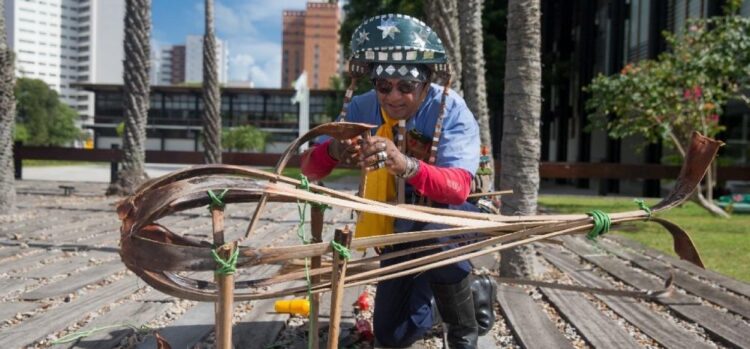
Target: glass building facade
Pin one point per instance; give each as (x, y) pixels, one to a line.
(585, 38)
(175, 111)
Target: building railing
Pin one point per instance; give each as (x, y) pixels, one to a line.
(546, 169)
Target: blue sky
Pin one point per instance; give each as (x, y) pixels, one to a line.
(251, 27)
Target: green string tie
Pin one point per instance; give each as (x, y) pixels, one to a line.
(642, 205)
(217, 201)
(341, 249)
(602, 222)
(302, 209)
(305, 184)
(228, 266)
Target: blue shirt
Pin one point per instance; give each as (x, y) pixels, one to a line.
(459, 140)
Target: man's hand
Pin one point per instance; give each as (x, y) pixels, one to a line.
(379, 152)
(346, 151)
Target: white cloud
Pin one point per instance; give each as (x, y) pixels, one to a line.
(231, 22)
(257, 59)
(252, 30)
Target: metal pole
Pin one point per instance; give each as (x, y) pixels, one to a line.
(17, 160)
(114, 166)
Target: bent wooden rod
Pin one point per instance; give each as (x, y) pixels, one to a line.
(160, 256)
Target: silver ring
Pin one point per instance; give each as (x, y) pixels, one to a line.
(382, 156)
(380, 164)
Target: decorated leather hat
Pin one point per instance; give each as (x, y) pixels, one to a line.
(396, 45)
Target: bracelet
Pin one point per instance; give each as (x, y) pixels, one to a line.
(412, 166)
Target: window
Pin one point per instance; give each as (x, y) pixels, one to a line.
(637, 40)
(684, 9)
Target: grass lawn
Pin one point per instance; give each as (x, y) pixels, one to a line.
(724, 244)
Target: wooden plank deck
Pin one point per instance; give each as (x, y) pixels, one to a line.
(60, 274)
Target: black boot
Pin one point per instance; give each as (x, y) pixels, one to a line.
(456, 306)
(484, 291)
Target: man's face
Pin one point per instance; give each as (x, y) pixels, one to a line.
(400, 98)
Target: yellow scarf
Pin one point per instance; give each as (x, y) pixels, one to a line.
(379, 186)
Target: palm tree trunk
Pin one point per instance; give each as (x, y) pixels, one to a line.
(136, 96)
(441, 15)
(7, 121)
(211, 94)
(473, 81)
(520, 149)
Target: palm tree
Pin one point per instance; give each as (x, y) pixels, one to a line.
(473, 80)
(520, 148)
(136, 96)
(211, 94)
(7, 120)
(441, 16)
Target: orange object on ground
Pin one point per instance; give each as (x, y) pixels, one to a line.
(292, 306)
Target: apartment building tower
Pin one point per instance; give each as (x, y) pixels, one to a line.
(193, 59)
(168, 65)
(311, 44)
(62, 42)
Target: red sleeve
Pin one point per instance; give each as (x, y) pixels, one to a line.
(316, 163)
(441, 184)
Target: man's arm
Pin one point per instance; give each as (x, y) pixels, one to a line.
(442, 184)
(316, 163)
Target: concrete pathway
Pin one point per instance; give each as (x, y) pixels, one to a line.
(98, 173)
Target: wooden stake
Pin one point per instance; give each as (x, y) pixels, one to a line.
(338, 275)
(225, 284)
(317, 215)
(401, 190)
(491, 193)
(363, 175)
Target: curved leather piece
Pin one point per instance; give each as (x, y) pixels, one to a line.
(682, 243)
(700, 154)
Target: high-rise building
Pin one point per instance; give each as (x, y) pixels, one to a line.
(311, 44)
(168, 65)
(193, 58)
(177, 65)
(62, 42)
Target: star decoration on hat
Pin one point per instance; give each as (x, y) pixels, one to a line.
(420, 38)
(363, 36)
(388, 26)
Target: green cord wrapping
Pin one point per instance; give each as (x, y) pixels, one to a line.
(217, 201)
(302, 210)
(226, 267)
(642, 205)
(305, 184)
(341, 249)
(602, 222)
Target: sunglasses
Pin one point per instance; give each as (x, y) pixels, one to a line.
(404, 86)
